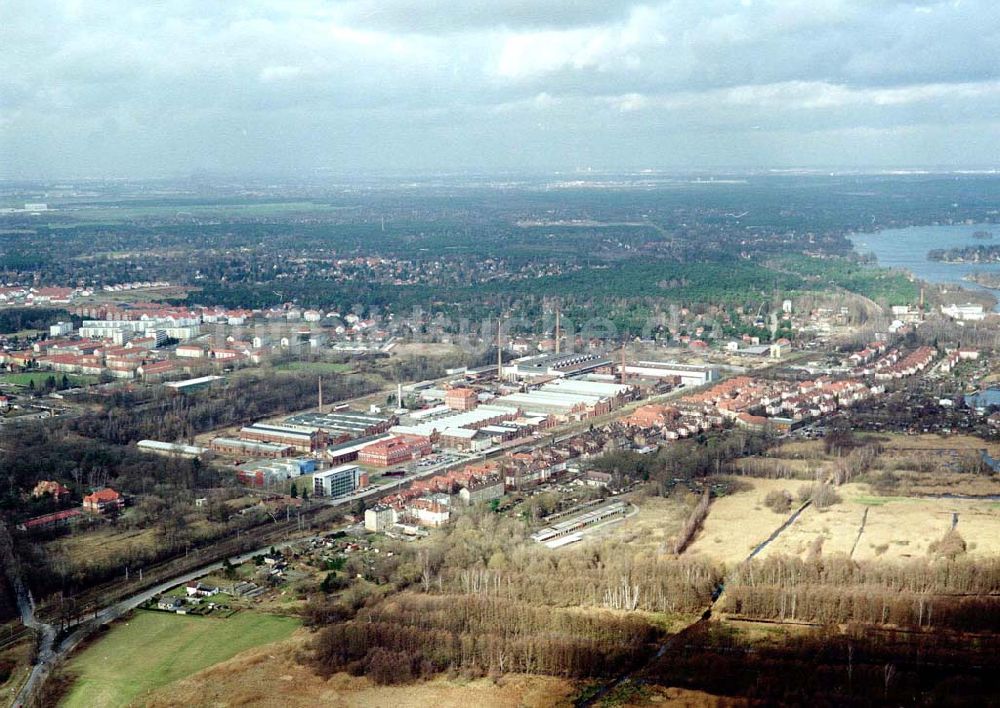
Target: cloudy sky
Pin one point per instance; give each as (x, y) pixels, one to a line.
(126, 88)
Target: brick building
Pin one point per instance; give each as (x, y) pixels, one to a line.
(394, 450)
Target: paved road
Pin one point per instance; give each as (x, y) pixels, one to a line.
(49, 654)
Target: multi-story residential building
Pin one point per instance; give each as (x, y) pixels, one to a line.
(379, 518)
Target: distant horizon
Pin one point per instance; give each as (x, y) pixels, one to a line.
(581, 173)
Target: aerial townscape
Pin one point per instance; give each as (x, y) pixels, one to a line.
(466, 354)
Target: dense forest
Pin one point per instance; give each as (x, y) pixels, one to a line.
(17, 319)
(469, 249)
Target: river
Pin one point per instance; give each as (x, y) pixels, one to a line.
(906, 249)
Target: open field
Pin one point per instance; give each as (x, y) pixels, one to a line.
(920, 465)
(104, 544)
(273, 676)
(425, 349)
(656, 523)
(39, 377)
(901, 441)
(152, 649)
(897, 528)
(738, 522)
(96, 546)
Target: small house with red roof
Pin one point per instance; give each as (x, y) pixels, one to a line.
(103, 500)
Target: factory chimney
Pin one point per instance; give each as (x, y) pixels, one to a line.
(320, 382)
(499, 351)
(557, 330)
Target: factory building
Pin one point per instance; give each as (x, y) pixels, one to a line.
(339, 481)
(269, 473)
(250, 448)
(431, 423)
(192, 385)
(465, 439)
(173, 449)
(549, 365)
(565, 405)
(352, 423)
(301, 437)
(394, 450)
(461, 399)
(689, 374)
(348, 451)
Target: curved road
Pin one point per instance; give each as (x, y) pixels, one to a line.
(49, 654)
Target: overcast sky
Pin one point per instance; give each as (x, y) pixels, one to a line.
(127, 88)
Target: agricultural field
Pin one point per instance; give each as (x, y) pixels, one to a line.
(151, 650)
(274, 675)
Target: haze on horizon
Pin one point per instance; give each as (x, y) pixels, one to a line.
(131, 90)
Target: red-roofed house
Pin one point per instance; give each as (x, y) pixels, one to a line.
(157, 369)
(46, 486)
(103, 501)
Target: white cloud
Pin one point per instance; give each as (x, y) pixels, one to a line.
(565, 75)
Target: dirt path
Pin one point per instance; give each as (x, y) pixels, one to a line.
(861, 530)
(678, 637)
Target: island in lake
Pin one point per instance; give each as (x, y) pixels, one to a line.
(966, 254)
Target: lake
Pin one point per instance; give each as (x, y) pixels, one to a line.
(907, 249)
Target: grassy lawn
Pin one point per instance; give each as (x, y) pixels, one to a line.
(315, 367)
(99, 545)
(153, 649)
(39, 377)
